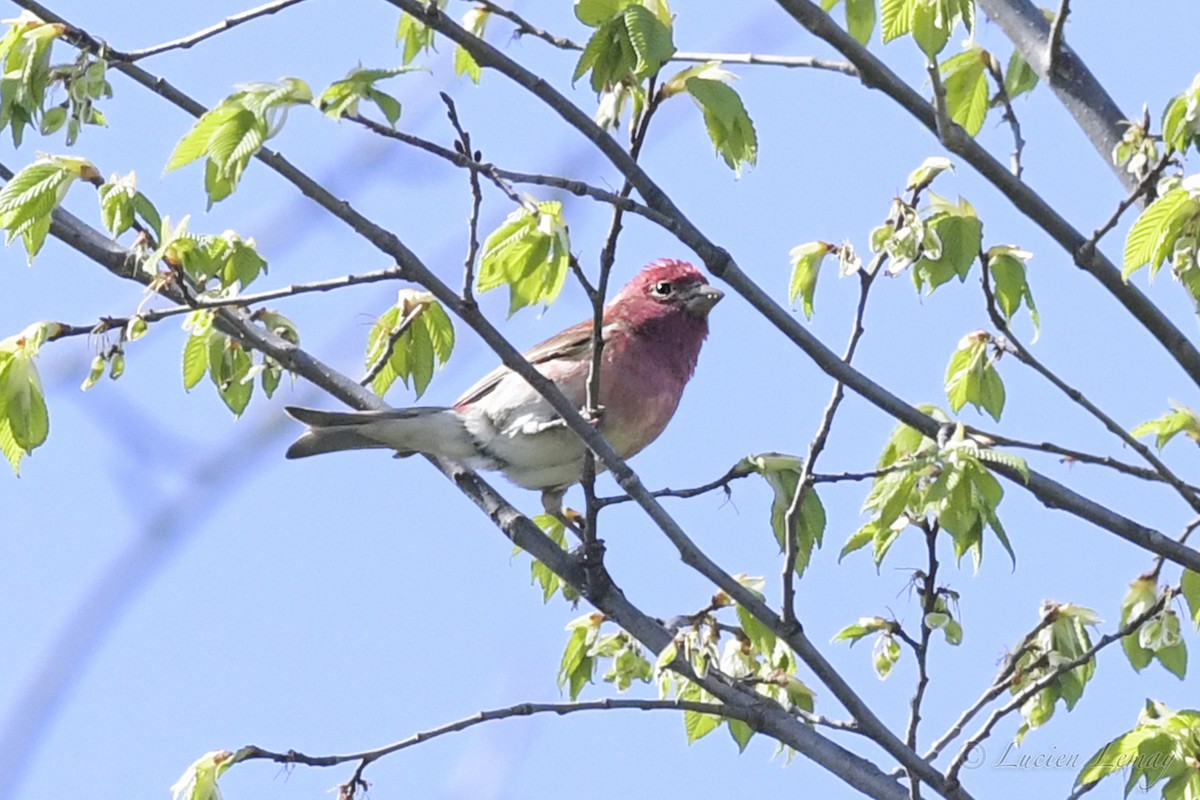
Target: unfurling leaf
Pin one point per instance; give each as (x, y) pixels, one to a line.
(806, 263)
(475, 20)
(729, 126)
(782, 474)
(530, 253)
(971, 376)
(1180, 419)
(342, 97)
(1153, 236)
(24, 420)
(1010, 285)
(30, 197)
(231, 133)
(199, 781)
(413, 338)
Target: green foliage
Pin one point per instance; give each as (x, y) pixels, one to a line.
(24, 420)
(886, 650)
(1019, 77)
(782, 474)
(1189, 587)
(25, 57)
(231, 133)
(971, 376)
(1180, 419)
(474, 21)
(530, 253)
(729, 125)
(199, 781)
(923, 176)
(1164, 745)
(228, 259)
(1169, 228)
(1062, 640)
(414, 336)
(930, 21)
(579, 661)
(967, 98)
(1006, 265)
(29, 199)
(1181, 119)
(806, 263)
(415, 36)
(121, 203)
(230, 367)
(926, 485)
(631, 41)
(342, 97)
(1158, 637)
(951, 239)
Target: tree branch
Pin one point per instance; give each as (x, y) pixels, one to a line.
(875, 74)
(1064, 72)
(206, 33)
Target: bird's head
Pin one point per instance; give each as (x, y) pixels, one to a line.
(665, 289)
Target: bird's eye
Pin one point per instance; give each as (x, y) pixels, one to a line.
(664, 288)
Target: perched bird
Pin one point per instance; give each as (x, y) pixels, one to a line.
(652, 334)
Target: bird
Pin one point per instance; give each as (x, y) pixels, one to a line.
(652, 332)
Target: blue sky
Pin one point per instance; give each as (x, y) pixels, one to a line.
(217, 595)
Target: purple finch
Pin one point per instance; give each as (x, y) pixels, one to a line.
(652, 333)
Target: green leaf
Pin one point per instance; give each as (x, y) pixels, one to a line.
(1189, 586)
(729, 126)
(885, 655)
(959, 235)
(895, 18)
(860, 19)
(1180, 419)
(971, 377)
(865, 626)
(1152, 236)
(806, 263)
(651, 40)
(1010, 285)
(530, 253)
(30, 197)
(965, 80)
(930, 26)
(594, 13)
(414, 35)
(699, 725)
(1019, 78)
(741, 733)
(342, 97)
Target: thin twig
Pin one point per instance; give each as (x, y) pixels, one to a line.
(1188, 530)
(526, 28)
(1010, 115)
(1050, 677)
(463, 147)
(736, 472)
(1054, 43)
(608, 257)
(206, 33)
(1028, 359)
(502, 177)
(393, 337)
(804, 481)
(1144, 186)
(929, 597)
(244, 301)
(253, 752)
(759, 59)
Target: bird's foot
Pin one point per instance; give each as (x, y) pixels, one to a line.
(573, 520)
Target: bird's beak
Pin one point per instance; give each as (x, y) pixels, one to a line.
(700, 300)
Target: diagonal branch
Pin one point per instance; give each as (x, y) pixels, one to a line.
(721, 263)
(1084, 97)
(875, 74)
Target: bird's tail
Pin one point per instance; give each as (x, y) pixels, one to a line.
(433, 430)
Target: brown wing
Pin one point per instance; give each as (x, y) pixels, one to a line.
(574, 342)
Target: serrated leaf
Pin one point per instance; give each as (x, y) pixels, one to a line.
(651, 40)
(1152, 235)
(1019, 77)
(699, 725)
(895, 18)
(530, 253)
(195, 360)
(965, 80)
(1189, 587)
(1180, 419)
(729, 126)
(740, 732)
